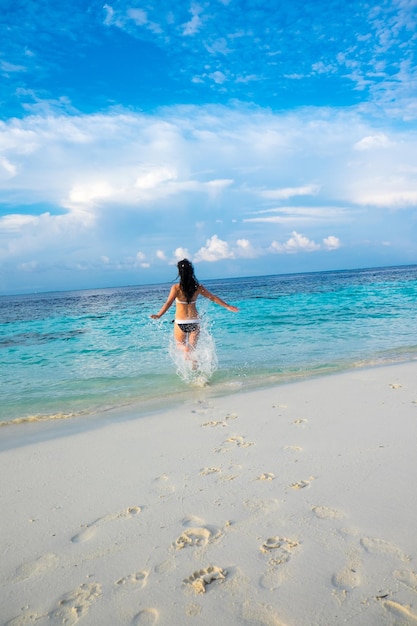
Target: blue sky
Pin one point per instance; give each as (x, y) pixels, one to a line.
(254, 137)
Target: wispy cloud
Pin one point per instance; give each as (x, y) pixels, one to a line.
(253, 53)
(296, 214)
(290, 192)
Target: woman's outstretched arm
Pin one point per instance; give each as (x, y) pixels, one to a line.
(211, 296)
(169, 301)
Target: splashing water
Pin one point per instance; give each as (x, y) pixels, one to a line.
(197, 366)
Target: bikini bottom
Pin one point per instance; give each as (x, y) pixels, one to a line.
(188, 326)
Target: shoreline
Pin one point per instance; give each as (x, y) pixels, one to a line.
(289, 505)
(130, 408)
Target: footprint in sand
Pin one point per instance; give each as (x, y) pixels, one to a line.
(349, 577)
(260, 506)
(377, 546)
(407, 577)
(193, 537)
(235, 440)
(39, 565)
(302, 484)
(89, 530)
(231, 416)
(240, 442)
(24, 620)
(164, 487)
(395, 386)
(206, 471)
(166, 567)
(403, 613)
(203, 408)
(203, 577)
(266, 476)
(324, 512)
(272, 578)
(196, 536)
(214, 423)
(280, 549)
(75, 605)
(300, 421)
(71, 607)
(137, 580)
(259, 615)
(86, 534)
(192, 610)
(228, 477)
(146, 617)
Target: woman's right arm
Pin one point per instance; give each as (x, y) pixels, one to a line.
(168, 303)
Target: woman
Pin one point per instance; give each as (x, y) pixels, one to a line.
(185, 294)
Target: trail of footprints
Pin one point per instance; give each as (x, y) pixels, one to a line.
(276, 551)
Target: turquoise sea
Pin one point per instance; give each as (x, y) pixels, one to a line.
(76, 353)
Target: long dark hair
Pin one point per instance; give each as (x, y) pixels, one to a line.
(188, 282)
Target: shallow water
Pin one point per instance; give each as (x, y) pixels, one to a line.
(73, 353)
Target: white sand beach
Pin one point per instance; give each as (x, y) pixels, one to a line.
(294, 505)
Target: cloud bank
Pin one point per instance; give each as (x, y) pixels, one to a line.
(222, 184)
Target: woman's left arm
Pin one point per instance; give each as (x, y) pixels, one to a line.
(211, 296)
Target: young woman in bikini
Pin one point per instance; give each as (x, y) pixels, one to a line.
(185, 294)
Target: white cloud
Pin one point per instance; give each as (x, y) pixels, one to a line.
(125, 181)
(9, 168)
(193, 26)
(130, 19)
(139, 16)
(90, 193)
(13, 223)
(181, 253)
(300, 243)
(332, 242)
(245, 249)
(296, 243)
(288, 215)
(219, 46)
(380, 140)
(290, 192)
(215, 250)
(109, 14)
(7, 68)
(390, 199)
(154, 177)
(218, 77)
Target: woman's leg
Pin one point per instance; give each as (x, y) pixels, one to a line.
(193, 339)
(192, 344)
(180, 338)
(187, 342)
